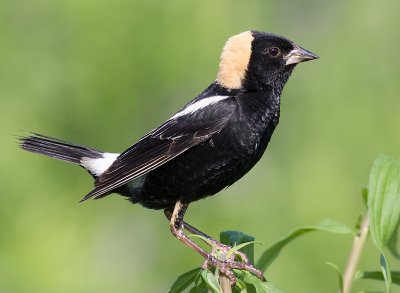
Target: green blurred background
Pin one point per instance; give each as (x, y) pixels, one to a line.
(104, 73)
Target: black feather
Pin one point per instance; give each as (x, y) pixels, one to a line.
(58, 149)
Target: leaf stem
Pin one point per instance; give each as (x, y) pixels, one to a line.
(358, 245)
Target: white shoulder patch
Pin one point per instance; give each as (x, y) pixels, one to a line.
(98, 165)
(191, 108)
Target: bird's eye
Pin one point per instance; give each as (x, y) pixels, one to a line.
(274, 51)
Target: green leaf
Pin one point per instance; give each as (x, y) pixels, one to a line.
(273, 251)
(233, 238)
(249, 278)
(269, 288)
(184, 281)
(384, 199)
(393, 243)
(386, 273)
(201, 286)
(264, 287)
(357, 226)
(364, 193)
(240, 287)
(254, 284)
(211, 281)
(377, 275)
(340, 275)
(238, 247)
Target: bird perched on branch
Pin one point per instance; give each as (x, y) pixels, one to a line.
(208, 145)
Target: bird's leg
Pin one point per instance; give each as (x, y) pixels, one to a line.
(224, 265)
(189, 227)
(176, 226)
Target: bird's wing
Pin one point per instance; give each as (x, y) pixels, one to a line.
(195, 123)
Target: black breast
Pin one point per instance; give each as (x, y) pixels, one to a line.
(218, 162)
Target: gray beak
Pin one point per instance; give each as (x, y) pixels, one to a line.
(298, 54)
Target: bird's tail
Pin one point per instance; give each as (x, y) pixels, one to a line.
(94, 161)
(58, 149)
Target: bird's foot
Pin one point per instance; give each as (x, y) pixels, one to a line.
(224, 249)
(225, 260)
(222, 257)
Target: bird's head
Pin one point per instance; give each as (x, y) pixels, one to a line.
(255, 60)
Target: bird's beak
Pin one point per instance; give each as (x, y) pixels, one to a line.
(298, 54)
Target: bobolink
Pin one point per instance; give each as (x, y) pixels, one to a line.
(208, 145)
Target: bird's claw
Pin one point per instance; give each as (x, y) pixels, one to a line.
(217, 246)
(223, 267)
(217, 258)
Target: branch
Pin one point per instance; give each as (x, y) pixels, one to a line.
(358, 245)
(225, 283)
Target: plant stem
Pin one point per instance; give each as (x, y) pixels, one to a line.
(358, 245)
(225, 283)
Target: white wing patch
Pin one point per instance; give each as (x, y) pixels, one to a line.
(99, 165)
(191, 108)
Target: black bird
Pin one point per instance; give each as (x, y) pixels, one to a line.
(208, 145)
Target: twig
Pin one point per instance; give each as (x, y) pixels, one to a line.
(355, 254)
(225, 283)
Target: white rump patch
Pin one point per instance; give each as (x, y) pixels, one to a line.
(191, 108)
(98, 165)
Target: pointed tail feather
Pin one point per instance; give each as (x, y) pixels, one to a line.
(94, 161)
(58, 149)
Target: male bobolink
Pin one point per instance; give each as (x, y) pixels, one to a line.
(208, 145)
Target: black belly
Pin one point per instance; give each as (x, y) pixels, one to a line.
(202, 170)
